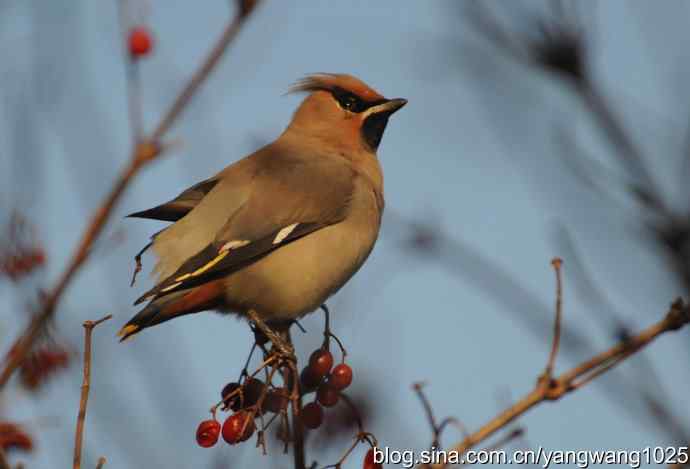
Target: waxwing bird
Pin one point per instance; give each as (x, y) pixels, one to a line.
(279, 231)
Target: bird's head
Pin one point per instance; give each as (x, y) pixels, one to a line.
(343, 110)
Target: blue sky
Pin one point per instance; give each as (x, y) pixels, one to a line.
(473, 152)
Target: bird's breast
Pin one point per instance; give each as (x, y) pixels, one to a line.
(298, 277)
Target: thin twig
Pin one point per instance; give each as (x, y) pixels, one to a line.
(548, 371)
(143, 152)
(677, 317)
(436, 428)
(86, 383)
(428, 410)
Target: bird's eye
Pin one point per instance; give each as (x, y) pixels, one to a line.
(349, 101)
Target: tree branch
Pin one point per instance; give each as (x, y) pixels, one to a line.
(143, 152)
(677, 317)
(86, 383)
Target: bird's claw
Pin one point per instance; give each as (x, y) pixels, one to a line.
(284, 351)
(281, 348)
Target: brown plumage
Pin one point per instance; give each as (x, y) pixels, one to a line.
(282, 229)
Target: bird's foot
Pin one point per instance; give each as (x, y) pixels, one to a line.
(285, 352)
(281, 347)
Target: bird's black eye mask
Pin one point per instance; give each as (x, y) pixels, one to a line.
(351, 102)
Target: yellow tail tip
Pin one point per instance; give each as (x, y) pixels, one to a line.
(127, 331)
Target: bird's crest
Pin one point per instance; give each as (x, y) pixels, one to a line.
(332, 81)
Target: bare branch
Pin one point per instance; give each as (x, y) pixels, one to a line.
(677, 317)
(229, 33)
(86, 383)
(143, 152)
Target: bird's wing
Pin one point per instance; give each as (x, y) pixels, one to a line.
(180, 205)
(288, 199)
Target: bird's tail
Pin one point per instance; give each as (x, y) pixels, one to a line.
(143, 319)
(171, 306)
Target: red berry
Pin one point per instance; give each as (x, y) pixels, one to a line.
(276, 400)
(321, 362)
(309, 379)
(369, 461)
(207, 433)
(327, 395)
(341, 377)
(232, 427)
(140, 41)
(232, 402)
(312, 415)
(252, 390)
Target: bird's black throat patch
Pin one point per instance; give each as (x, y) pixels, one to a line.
(373, 127)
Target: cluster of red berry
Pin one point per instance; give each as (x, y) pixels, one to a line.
(250, 398)
(318, 376)
(247, 400)
(21, 251)
(253, 398)
(12, 437)
(22, 262)
(42, 363)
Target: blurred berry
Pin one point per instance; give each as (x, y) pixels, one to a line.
(312, 415)
(13, 437)
(43, 363)
(327, 395)
(22, 262)
(140, 41)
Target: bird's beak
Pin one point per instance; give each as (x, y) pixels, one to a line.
(388, 107)
(392, 105)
